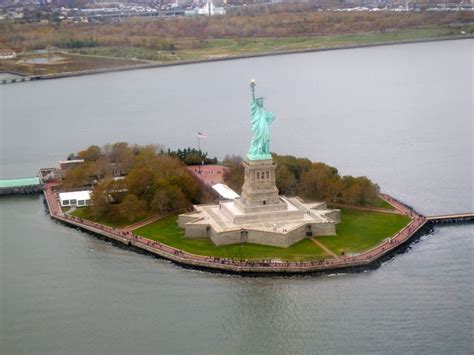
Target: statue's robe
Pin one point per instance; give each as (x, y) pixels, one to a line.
(261, 119)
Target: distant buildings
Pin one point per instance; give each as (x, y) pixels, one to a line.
(209, 9)
(7, 54)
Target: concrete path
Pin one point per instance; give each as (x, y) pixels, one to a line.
(372, 209)
(322, 246)
(142, 223)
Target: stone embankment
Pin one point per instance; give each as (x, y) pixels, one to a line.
(360, 261)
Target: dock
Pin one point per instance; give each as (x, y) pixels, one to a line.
(451, 218)
(30, 185)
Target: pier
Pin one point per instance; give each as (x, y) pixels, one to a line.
(365, 260)
(452, 218)
(31, 185)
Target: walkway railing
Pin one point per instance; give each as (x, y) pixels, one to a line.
(246, 266)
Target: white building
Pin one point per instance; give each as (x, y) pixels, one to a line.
(209, 9)
(7, 54)
(75, 198)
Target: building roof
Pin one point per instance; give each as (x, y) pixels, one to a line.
(225, 191)
(75, 195)
(20, 182)
(74, 161)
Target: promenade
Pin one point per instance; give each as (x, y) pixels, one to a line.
(338, 263)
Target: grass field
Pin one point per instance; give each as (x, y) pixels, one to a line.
(381, 203)
(359, 230)
(190, 49)
(84, 213)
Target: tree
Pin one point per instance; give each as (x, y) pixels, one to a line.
(193, 159)
(234, 175)
(77, 176)
(90, 154)
(285, 180)
(132, 207)
(168, 198)
(100, 201)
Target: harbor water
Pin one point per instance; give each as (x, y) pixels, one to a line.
(401, 115)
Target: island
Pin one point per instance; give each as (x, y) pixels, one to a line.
(172, 205)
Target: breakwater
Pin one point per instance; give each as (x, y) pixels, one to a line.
(365, 260)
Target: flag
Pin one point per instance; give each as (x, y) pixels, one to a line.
(200, 135)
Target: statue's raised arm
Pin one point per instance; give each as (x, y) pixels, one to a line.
(252, 87)
(261, 119)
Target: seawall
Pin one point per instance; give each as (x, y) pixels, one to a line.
(369, 259)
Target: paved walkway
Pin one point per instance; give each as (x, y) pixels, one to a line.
(242, 266)
(142, 223)
(383, 210)
(322, 246)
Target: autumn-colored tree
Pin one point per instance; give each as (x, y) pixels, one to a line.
(234, 175)
(286, 181)
(77, 176)
(100, 198)
(131, 207)
(168, 198)
(90, 154)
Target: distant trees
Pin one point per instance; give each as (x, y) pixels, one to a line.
(192, 156)
(312, 181)
(186, 33)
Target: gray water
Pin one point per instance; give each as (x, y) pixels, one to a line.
(401, 115)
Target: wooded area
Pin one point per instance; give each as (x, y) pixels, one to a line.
(153, 181)
(168, 34)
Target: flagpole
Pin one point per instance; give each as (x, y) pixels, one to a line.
(199, 151)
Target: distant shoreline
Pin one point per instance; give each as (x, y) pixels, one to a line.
(218, 59)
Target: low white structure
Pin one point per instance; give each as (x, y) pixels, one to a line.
(75, 198)
(225, 191)
(7, 54)
(209, 9)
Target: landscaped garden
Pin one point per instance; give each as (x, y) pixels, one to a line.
(358, 231)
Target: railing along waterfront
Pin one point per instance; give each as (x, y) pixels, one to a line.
(184, 258)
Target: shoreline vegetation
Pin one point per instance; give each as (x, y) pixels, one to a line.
(80, 49)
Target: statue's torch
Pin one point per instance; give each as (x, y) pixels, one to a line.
(252, 86)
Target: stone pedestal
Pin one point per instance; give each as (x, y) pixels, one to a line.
(260, 216)
(259, 192)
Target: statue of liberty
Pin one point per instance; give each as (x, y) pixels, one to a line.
(261, 119)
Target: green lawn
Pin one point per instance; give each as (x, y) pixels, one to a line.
(381, 203)
(166, 231)
(359, 230)
(84, 213)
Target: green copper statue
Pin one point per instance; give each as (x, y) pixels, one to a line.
(261, 119)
